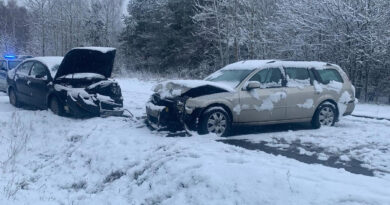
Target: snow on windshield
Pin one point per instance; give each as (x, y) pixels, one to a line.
(231, 78)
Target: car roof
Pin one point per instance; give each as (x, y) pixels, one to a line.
(261, 64)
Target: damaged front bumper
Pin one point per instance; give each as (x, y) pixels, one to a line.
(82, 105)
(172, 117)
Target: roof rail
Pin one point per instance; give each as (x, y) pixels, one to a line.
(271, 62)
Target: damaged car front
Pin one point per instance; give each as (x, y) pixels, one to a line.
(181, 104)
(83, 87)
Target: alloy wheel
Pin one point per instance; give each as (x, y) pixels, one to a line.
(217, 123)
(326, 116)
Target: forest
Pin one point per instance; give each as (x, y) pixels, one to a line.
(192, 38)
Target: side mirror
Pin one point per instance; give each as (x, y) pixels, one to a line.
(253, 85)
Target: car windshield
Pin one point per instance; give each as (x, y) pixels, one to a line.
(231, 77)
(13, 64)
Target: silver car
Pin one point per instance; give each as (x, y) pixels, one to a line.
(256, 92)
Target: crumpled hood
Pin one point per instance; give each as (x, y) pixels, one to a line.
(175, 88)
(97, 60)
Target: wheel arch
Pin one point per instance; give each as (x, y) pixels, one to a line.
(329, 101)
(50, 96)
(225, 107)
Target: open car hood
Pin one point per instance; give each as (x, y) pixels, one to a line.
(190, 88)
(97, 60)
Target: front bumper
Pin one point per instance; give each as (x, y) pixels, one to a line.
(169, 118)
(80, 107)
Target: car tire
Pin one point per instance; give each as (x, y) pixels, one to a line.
(55, 106)
(215, 120)
(13, 98)
(325, 115)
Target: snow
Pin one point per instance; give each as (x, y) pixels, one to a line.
(343, 103)
(362, 139)
(155, 107)
(103, 84)
(259, 64)
(294, 83)
(309, 103)
(100, 49)
(317, 86)
(331, 86)
(237, 109)
(372, 110)
(335, 86)
(51, 62)
(118, 161)
(247, 65)
(268, 103)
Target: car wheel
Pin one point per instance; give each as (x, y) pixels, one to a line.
(13, 99)
(215, 120)
(325, 115)
(55, 106)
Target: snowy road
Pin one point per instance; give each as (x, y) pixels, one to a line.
(46, 159)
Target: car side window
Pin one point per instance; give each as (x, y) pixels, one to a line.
(24, 69)
(327, 75)
(38, 70)
(273, 79)
(260, 76)
(3, 65)
(297, 73)
(297, 77)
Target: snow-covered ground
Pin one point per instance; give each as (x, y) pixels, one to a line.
(372, 110)
(46, 159)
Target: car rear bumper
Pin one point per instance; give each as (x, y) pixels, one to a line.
(350, 108)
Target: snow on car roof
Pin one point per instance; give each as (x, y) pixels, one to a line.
(258, 64)
(101, 49)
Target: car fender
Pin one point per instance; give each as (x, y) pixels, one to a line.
(221, 99)
(53, 93)
(324, 98)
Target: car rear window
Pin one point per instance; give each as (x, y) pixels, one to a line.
(328, 75)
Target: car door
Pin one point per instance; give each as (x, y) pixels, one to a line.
(38, 81)
(3, 74)
(267, 103)
(21, 82)
(301, 95)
